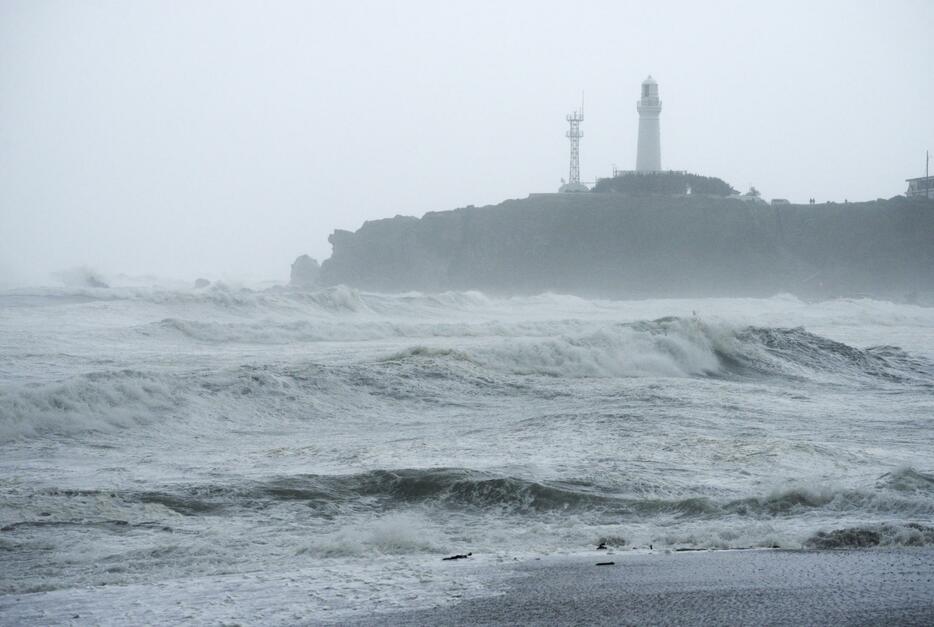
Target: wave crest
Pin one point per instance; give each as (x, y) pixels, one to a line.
(689, 347)
(467, 489)
(102, 400)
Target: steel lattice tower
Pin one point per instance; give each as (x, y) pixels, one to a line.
(574, 134)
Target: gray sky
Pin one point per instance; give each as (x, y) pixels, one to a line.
(222, 139)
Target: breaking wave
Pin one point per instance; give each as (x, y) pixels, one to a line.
(468, 490)
(798, 352)
(460, 488)
(675, 347)
(96, 401)
(395, 498)
(687, 347)
(111, 400)
(669, 347)
(338, 300)
(271, 332)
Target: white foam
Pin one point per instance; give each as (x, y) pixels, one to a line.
(399, 533)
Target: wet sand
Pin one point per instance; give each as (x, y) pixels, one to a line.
(755, 587)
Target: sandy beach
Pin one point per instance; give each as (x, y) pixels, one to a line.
(754, 587)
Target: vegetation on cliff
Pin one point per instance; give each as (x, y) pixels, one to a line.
(664, 183)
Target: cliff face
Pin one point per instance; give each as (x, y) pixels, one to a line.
(631, 246)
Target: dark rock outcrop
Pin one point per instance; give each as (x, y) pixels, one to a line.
(304, 273)
(849, 538)
(621, 245)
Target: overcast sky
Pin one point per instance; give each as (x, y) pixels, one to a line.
(222, 139)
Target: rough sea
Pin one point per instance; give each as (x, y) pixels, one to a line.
(271, 456)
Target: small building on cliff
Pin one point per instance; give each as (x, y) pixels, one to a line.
(921, 187)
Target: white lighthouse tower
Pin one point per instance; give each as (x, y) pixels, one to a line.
(649, 153)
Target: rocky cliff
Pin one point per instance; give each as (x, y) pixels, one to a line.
(618, 245)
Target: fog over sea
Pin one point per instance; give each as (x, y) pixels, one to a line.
(273, 456)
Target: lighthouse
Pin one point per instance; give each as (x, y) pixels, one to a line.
(649, 152)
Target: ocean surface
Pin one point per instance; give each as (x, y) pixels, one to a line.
(266, 455)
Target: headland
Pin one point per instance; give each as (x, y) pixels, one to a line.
(634, 245)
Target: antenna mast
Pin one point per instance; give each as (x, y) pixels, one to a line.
(574, 134)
